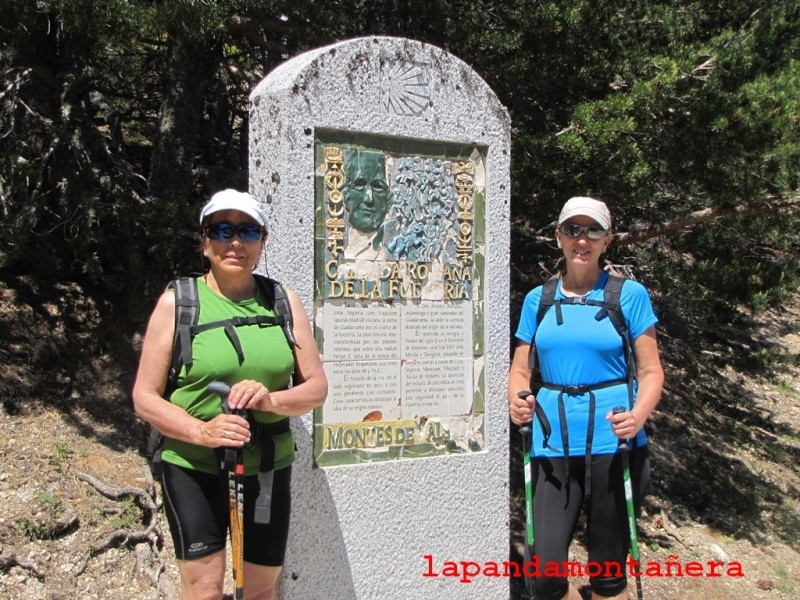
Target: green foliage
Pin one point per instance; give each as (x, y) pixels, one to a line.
(61, 455)
(82, 118)
(120, 116)
(31, 529)
(129, 516)
(687, 107)
(48, 511)
(784, 579)
(722, 271)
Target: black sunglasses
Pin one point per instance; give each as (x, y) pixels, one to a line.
(593, 232)
(224, 232)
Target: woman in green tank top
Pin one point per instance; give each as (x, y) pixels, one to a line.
(234, 228)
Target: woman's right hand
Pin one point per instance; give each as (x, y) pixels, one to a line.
(230, 431)
(519, 379)
(521, 409)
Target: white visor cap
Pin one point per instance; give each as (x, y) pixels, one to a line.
(233, 200)
(587, 207)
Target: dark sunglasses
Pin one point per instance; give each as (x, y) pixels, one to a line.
(224, 232)
(593, 232)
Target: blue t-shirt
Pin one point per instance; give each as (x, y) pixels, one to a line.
(583, 351)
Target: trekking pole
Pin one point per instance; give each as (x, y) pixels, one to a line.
(234, 464)
(626, 482)
(525, 431)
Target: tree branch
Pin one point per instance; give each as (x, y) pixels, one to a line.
(700, 70)
(772, 205)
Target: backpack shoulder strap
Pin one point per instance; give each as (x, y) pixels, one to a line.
(278, 301)
(187, 309)
(547, 299)
(612, 305)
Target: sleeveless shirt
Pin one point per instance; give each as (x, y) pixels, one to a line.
(267, 359)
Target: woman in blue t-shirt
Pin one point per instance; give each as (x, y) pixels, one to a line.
(583, 369)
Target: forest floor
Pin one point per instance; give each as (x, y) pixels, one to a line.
(80, 514)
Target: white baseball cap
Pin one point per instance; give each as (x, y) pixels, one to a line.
(587, 207)
(231, 199)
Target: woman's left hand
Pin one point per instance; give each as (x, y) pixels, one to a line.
(249, 394)
(625, 425)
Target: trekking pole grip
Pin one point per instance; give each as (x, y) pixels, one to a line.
(623, 444)
(229, 456)
(222, 390)
(525, 430)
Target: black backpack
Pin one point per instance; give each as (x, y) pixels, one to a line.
(187, 310)
(610, 306)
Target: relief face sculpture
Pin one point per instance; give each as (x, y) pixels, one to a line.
(367, 195)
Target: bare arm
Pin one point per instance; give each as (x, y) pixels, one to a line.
(650, 377)
(151, 382)
(519, 378)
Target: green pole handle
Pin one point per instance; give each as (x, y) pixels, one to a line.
(628, 487)
(525, 432)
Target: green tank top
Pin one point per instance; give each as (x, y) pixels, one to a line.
(267, 358)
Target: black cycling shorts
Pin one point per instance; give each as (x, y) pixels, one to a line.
(556, 516)
(196, 504)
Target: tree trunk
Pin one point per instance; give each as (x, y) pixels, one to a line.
(189, 67)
